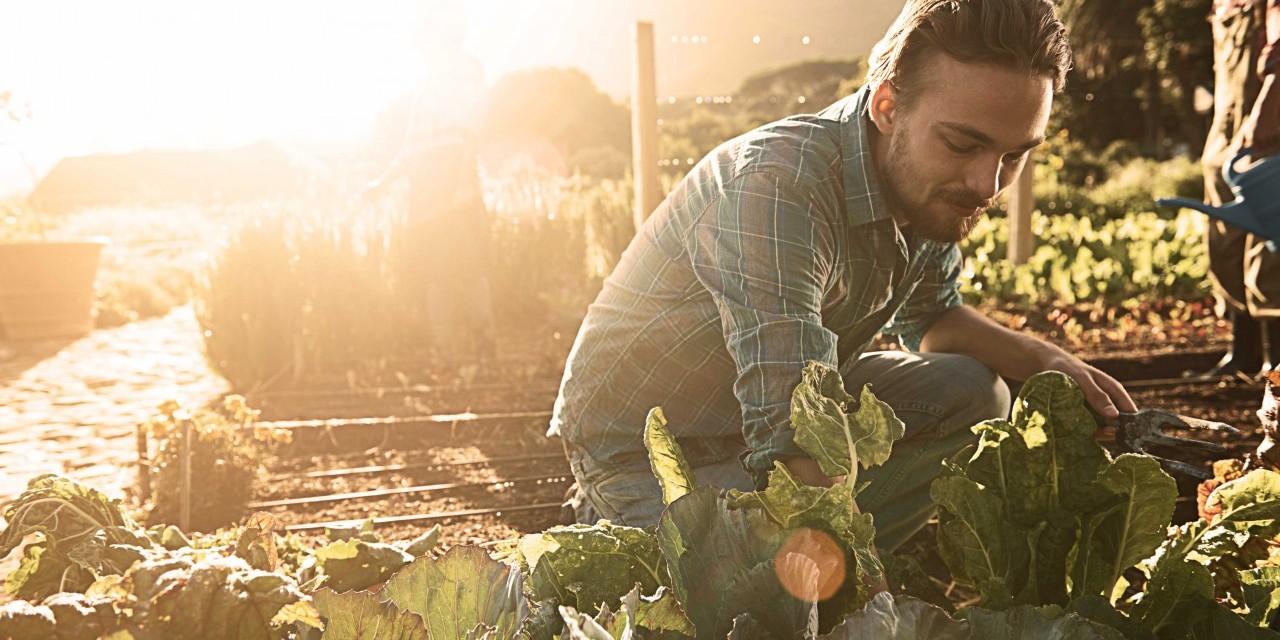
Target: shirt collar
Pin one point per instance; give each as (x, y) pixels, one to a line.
(863, 201)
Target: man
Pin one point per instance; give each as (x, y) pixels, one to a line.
(1245, 276)
(801, 241)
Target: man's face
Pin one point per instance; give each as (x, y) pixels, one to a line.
(961, 141)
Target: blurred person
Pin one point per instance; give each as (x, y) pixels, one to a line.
(804, 239)
(448, 228)
(1245, 276)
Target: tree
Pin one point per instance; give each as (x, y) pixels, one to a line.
(559, 106)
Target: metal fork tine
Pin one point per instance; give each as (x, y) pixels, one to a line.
(1183, 468)
(1196, 424)
(1165, 439)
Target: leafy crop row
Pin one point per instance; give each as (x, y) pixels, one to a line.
(1059, 539)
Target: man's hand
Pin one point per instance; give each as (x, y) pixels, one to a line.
(1106, 395)
(806, 470)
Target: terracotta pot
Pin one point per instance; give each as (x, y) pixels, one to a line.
(46, 288)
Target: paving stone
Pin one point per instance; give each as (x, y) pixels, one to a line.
(73, 406)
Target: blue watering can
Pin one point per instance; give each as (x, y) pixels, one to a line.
(1256, 208)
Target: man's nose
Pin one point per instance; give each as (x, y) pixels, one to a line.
(983, 177)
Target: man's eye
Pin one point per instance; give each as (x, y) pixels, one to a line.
(1015, 158)
(955, 148)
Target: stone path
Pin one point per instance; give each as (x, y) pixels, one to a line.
(72, 406)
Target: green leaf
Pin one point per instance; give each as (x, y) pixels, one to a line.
(220, 598)
(1176, 596)
(974, 541)
(584, 566)
(836, 439)
(1100, 610)
(1128, 531)
(1031, 623)
(1261, 588)
(889, 617)
(22, 620)
(722, 565)
(659, 614)
(461, 590)
(794, 505)
(580, 626)
(667, 459)
(355, 564)
(359, 614)
(1220, 622)
(423, 544)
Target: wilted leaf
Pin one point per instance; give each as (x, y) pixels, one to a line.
(355, 564)
(423, 544)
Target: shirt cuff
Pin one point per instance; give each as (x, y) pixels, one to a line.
(759, 462)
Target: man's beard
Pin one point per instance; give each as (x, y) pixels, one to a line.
(918, 211)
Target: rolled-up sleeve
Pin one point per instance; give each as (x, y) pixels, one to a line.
(765, 252)
(937, 292)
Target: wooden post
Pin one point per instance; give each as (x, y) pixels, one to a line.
(144, 464)
(644, 125)
(1021, 203)
(184, 490)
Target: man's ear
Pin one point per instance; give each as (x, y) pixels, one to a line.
(884, 108)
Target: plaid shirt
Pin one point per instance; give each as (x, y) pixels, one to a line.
(776, 249)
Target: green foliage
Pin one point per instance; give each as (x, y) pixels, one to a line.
(665, 457)
(839, 440)
(225, 453)
(1144, 257)
(586, 566)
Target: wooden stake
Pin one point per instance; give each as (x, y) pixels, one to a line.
(144, 464)
(644, 126)
(184, 491)
(1021, 203)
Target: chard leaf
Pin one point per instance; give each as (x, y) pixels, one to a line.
(214, 598)
(1261, 588)
(722, 565)
(359, 614)
(836, 439)
(1037, 623)
(667, 459)
(353, 564)
(580, 626)
(21, 619)
(1220, 622)
(584, 566)
(1100, 610)
(1177, 596)
(1250, 504)
(1128, 531)
(659, 614)
(889, 617)
(974, 541)
(461, 590)
(794, 505)
(423, 544)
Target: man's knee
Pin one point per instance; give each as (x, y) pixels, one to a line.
(977, 393)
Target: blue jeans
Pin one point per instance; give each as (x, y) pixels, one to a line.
(938, 396)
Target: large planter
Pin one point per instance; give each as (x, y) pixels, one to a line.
(46, 288)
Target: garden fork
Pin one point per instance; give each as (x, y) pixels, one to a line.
(1137, 431)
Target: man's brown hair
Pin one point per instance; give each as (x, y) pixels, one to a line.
(1021, 35)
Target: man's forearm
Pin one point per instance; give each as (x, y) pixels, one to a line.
(964, 330)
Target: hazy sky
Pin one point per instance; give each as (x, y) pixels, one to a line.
(128, 74)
